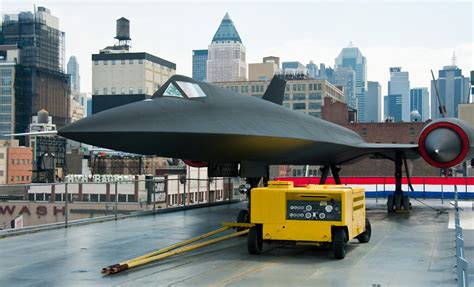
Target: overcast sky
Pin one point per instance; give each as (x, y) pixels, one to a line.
(418, 36)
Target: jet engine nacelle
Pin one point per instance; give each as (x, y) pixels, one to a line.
(195, 163)
(445, 143)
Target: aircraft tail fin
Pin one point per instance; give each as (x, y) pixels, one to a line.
(275, 91)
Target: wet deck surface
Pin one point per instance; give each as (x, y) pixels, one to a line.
(414, 249)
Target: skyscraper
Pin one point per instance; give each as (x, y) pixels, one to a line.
(374, 102)
(345, 77)
(200, 65)
(419, 101)
(399, 84)
(453, 90)
(393, 107)
(73, 72)
(353, 58)
(40, 81)
(313, 71)
(226, 58)
(9, 61)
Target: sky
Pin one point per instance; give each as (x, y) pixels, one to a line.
(415, 35)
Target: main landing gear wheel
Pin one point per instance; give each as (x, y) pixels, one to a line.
(242, 217)
(364, 237)
(339, 242)
(255, 240)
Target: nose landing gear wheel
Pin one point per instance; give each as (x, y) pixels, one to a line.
(254, 240)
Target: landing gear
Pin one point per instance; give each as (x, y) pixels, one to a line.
(325, 172)
(398, 201)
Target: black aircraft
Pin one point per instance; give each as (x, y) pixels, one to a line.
(233, 134)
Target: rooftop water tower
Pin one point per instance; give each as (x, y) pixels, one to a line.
(123, 32)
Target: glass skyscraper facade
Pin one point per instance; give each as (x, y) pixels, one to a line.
(453, 90)
(7, 96)
(419, 101)
(352, 57)
(374, 105)
(393, 107)
(73, 72)
(399, 84)
(200, 65)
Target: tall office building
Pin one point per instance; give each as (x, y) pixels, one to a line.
(374, 102)
(399, 84)
(453, 90)
(345, 77)
(419, 101)
(393, 108)
(73, 72)
(313, 70)
(226, 57)
(9, 59)
(121, 77)
(200, 64)
(353, 58)
(40, 79)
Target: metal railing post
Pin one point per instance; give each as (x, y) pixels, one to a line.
(65, 205)
(116, 199)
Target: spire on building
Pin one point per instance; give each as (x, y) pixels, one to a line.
(454, 59)
(226, 31)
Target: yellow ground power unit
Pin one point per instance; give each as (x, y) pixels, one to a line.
(315, 214)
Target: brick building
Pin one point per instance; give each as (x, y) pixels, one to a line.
(15, 163)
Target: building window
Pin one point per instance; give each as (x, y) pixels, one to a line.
(412, 131)
(140, 61)
(23, 161)
(96, 63)
(105, 62)
(2, 155)
(316, 96)
(22, 178)
(140, 90)
(12, 179)
(299, 106)
(314, 106)
(299, 97)
(130, 90)
(13, 161)
(96, 91)
(364, 131)
(105, 91)
(1, 172)
(113, 90)
(122, 91)
(130, 62)
(113, 62)
(123, 62)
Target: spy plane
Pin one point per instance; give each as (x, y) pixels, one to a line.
(234, 134)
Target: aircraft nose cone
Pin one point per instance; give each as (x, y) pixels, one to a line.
(443, 145)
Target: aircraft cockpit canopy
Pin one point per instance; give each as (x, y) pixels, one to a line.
(185, 90)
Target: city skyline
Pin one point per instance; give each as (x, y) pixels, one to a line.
(417, 51)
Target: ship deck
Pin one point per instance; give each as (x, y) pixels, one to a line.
(412, 249)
